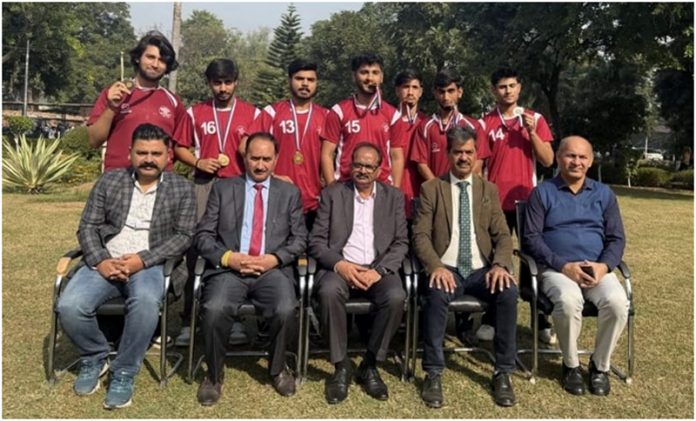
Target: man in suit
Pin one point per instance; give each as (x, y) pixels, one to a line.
(251, 233)
(133, 221)
(461, 237)
(359, 240)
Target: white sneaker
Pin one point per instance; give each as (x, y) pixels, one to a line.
(157, 341)
(485, 333)
(184, 337)
(548, 337)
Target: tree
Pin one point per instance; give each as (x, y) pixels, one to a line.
(272, 80)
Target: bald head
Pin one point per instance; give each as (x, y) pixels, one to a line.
(574, 158)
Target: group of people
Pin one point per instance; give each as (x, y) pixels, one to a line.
(354, 187)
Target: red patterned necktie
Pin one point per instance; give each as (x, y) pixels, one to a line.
(257, 223)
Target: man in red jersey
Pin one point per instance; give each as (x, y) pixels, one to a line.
(517, 138)
(409, 89)
(297, 124)
(430, 145)
(364, 117)
(215, 129)
(125, 105)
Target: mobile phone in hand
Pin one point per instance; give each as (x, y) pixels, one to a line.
(588, 270)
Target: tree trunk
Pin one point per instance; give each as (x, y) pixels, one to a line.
(176, 41)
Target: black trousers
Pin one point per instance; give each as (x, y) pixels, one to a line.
(388, 296)
(273, 295)
(436, 302)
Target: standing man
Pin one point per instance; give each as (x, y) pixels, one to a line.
(430, 146)
(573, 229)
(408, 85)
(298, 125)
(359, 240)
(364, 117)
(460, 236)
(134, 220)
(251, 234)
(517, 138)
(125, 105)
(215, 129)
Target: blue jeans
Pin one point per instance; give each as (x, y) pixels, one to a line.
(87, 290)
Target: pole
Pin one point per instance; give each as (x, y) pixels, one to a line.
(176, 41)
(26, 80)
(121, 66)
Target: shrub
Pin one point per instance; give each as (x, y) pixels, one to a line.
(82, 171)
(32, 167)
(75, 141)
(19, 125)
(683, 179)
(612, 174)
(651, 177)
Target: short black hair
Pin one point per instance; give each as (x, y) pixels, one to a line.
(446, 77)
(222, 69)
(407, 76)
(503, 73)
(147, 131)
(366, 59)
(367, 145)
(299, 65)
(263, 136)
(458, 134)
(158, 40)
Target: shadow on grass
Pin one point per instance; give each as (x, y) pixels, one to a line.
(653, 193)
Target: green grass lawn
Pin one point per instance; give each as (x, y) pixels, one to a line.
(659, 225)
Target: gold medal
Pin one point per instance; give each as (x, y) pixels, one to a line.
(129, 84)
(517, 111)
(298, 158)
(223, 160)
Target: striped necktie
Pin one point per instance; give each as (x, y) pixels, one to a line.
(464, 256)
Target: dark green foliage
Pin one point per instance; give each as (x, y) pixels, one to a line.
(75, 141)
(683, 179)
(651, 177)
(19, 125)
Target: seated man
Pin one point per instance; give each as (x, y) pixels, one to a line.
(574, 231)
(251, 233)
(461, 237)
(133, 221)
(359, 240)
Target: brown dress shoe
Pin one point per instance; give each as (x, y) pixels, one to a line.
(284, 383)
(209, 392)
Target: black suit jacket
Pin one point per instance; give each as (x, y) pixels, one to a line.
(334, 224)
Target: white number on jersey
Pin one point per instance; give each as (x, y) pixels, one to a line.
(288, 126)
(353, 126)
(496, 135)
(208, 127)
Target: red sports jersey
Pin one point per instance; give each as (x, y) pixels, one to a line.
(348, 124)
(430, 144)
(411, 180)
(201, 131)
(278, 120)
(157, 106)
(512, 165)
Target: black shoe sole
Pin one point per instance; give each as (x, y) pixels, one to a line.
(433, 405)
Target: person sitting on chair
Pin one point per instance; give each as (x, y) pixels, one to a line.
(359, 240)
(573, 229)
(461, 237)
(252, 233)
(133, 221)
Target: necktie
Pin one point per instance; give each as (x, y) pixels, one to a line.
(464, 256)
(257, 223)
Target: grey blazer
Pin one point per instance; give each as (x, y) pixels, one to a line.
(220, 229)
(334, 224)
(104, 216)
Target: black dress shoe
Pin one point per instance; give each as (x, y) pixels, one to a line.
(209, 392)
(432, 391)
(284, 383)
(369, 379)
(336, 387)
(599, 381)
(573, 382)
(502, 390)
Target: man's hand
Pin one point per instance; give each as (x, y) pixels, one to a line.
(234, 261)
(131, 263)
(353, 274)
(499, 278)
(111, 269)
(573, 270)
(284, 178)
(529, 122)
(257, 265)
(600, 270)
(370, 277)
(209, 165)
(116, 93)
(442, 278)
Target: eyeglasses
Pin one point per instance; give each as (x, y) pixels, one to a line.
(367, 167)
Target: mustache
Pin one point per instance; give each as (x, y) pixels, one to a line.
(148, 165)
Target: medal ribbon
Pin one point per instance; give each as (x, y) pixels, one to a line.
(376, 99)
(222, 141)
(456, 116)
(411, 120)
(298, 139)
(502, 119)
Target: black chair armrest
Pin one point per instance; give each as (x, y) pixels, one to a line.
(625, 271)
(527, 260)
(170, 264)
(200, 266)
